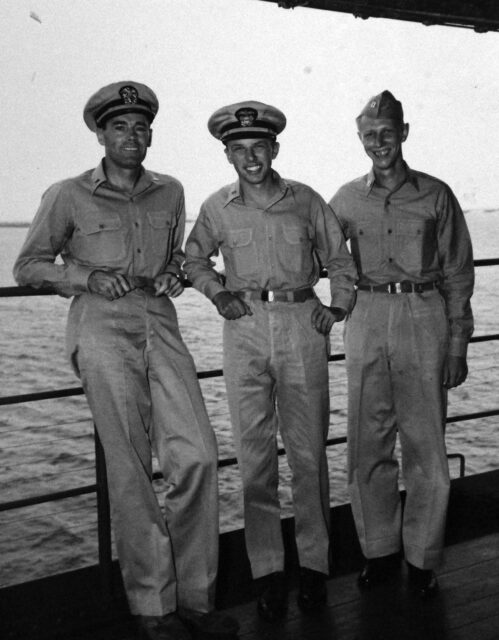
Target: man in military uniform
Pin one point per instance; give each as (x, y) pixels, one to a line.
(406, 342)
(119, 231)
(273, 235)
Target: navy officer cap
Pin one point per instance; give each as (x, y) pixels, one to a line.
(383, 105)
(248, 119)
(118, 98)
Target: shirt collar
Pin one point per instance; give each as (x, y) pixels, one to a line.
(411, 178)
(235, 189)
(99, 177)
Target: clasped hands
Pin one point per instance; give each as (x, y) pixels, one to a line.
(113, 285)
(232, 307)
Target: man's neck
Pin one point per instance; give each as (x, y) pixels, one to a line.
(392, 177)
(122, 179)
(260, 195)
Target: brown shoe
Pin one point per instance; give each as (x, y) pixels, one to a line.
(272, 603)
(423, 582)
(168, 627)
(213, 624)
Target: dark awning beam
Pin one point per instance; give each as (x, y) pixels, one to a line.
(480, 15)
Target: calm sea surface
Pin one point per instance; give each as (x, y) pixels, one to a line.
(48, 445)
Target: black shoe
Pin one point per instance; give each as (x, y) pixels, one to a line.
(168, 627)
(378, 571)
(422, 581)
(213, 624)
(312, 594)
(272, 601)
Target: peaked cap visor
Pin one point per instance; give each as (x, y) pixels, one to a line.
(249, 119)
(118, 98)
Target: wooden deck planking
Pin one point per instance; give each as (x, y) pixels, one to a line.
(71, 607)
(467, 607)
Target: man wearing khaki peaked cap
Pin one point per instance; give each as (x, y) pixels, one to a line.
(274, 235)
(405, 344)
(119, 231)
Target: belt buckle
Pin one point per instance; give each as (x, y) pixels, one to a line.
(270, 296)
(396, 287)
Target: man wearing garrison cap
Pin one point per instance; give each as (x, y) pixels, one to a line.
(119, 231)
(274, 235)
(405, 342)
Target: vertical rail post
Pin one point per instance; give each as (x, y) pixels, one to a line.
(103, 520)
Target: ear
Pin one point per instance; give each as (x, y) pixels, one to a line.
(100, 136)
(275, 150)
(405, 131)
(150, 138)
(228, 155)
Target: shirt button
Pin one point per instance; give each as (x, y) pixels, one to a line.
(139, 250)
(136, 224)
(389, 230)
(390, 259)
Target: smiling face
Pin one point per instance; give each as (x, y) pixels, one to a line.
(126, 138)
(252, 158)
(382, 140)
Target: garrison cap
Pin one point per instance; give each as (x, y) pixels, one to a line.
(249, 119)
(117, 98)
(384, 105)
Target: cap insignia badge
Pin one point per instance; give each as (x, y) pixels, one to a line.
(129, 95)
(246, 117)
(373, 104)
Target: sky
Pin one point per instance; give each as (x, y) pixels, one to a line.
(318, 67)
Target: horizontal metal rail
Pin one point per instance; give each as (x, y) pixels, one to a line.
(100, 487)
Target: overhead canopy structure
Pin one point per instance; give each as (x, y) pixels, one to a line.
(480, 15)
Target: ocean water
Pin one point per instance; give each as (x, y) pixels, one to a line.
(48, 445)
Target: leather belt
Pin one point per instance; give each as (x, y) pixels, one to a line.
(141, 282)
(399, 287)
(268, 295)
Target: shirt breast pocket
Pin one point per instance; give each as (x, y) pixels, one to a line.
(296, 249)
(242, 251)
(160, 233)
(100, 239)
(366, 246)
(415, 243)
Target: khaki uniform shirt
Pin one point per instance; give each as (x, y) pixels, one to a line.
(416, 232)
(94, 226)
(281, 247)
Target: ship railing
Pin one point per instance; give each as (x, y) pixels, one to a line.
(100, 486)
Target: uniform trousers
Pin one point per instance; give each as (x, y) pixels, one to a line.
(395, 347)
(276, 373)
(141, 386)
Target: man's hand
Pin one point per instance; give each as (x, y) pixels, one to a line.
(167, 284)
(109, 284)
(455, 371)
(324, 317)
(230, 306)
